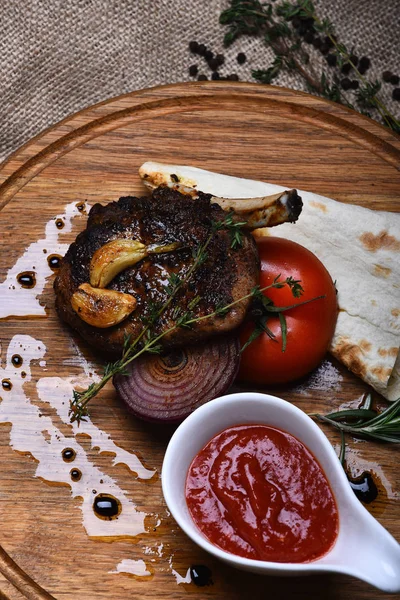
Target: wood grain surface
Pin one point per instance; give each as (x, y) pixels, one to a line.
(259, 132)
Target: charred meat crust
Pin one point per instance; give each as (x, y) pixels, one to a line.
(294, 206)
(165, 217)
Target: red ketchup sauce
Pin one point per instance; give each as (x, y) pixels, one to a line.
(258, 492)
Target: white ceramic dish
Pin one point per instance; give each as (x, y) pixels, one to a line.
(363, 549)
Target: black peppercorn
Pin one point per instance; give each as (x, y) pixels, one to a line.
(317, 42)
(220, 58)
(241, 58)
(331, 59)
(233, 77)
(355, 84)
(328, 42)
(364, 64)
(201, 49)
(354, 59)
(193, 47)
(396, 94)
(202, 77)
(302, 30)
(345, 83)
(193, 70)
(346, 68)
(213, 64)
(208, 55)
(394, 80)
(310, 23)
(309, 37)
(387, 75)
(324, 49)
(215, 76)
(296, 22)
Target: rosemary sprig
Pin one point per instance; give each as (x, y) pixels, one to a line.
(272, 24)
(366, 423)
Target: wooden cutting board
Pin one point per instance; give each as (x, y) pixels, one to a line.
(48, 534)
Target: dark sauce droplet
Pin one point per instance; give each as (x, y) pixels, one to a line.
(6, 384)
(59, 223)
(76, 474)
(27, 279)
(80, 206)
(106, 507)
(364, 487)
(68, 454)
(16, 360)
(201, 575)
(23, 374)
(54, 261)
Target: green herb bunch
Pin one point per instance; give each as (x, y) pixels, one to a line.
(287, 27)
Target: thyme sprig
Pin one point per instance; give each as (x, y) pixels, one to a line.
(264, 309)
(148, 341)
(78, 405)
(269, 309)
(251, 17)
(366, 423)
(234, 229)
(272, 23)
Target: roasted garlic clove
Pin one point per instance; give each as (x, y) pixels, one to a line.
(156, 249)
(102, 308)
(112, 258)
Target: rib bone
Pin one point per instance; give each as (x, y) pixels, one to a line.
(265, 211)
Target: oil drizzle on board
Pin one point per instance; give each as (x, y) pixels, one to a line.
(33, 432)
(182, 579)
(25, 281)
(137, 568)
(57, 392)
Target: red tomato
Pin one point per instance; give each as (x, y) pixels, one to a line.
(309, 327)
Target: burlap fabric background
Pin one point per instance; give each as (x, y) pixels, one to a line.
(59, 56)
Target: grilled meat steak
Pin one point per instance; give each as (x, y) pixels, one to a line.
(166, 219)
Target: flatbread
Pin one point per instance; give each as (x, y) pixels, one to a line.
(361, 250)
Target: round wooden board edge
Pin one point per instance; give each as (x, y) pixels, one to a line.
(54, 137)
(315, 110)
(20, 579)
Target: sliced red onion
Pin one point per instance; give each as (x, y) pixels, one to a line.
(168, 387)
